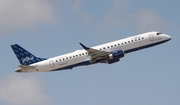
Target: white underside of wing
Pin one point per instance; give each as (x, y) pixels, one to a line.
(97, 54)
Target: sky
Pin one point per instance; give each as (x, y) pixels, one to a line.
(49, 28)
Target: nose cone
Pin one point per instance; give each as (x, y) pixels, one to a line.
(167, 37)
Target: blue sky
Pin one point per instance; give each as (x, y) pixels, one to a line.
(49, 28)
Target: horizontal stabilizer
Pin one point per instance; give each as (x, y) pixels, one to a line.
(25, 67)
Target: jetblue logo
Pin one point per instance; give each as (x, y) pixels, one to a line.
(27, 59)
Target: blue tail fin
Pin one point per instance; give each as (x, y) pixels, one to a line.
(25, 57)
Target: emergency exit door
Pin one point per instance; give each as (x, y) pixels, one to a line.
(51, 63)
(151, 37)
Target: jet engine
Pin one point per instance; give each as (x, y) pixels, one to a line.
(115, 56)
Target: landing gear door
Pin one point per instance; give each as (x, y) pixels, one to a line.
(51, 63)
(151, 37)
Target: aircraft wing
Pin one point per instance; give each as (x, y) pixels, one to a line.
(95, 54)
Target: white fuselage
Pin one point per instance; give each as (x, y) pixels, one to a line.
(81, 57)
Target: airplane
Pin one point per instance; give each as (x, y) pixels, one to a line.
(108, 53)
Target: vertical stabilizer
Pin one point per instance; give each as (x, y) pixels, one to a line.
(25, 57)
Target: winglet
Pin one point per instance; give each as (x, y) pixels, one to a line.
(86, 48)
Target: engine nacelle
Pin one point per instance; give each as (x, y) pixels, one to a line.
(116, 54)
(112, 61)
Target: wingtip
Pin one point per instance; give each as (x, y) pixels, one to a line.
(86, 48)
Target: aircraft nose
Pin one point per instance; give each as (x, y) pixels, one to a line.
(168, 37)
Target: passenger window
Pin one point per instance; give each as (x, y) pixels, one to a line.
(139, 39)
(135, 39)
(79, 54)
(112, 46)
(82, 53)
(125, 42)
(118, 44)
(142, 38)
(132, 41)
(121, 43)
(108, 47)
(128, 41)
(59, 59)
(67, 58)
(86, 53)
(73, 56)
(70, 57)
(76, 55)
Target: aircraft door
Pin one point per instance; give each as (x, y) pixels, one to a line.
(151, 37)
(51, 63)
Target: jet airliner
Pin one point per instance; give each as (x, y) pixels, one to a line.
(107, 53)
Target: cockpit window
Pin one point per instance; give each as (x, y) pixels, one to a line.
(159, 33)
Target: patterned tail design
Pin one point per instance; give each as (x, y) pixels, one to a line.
(25, 57)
